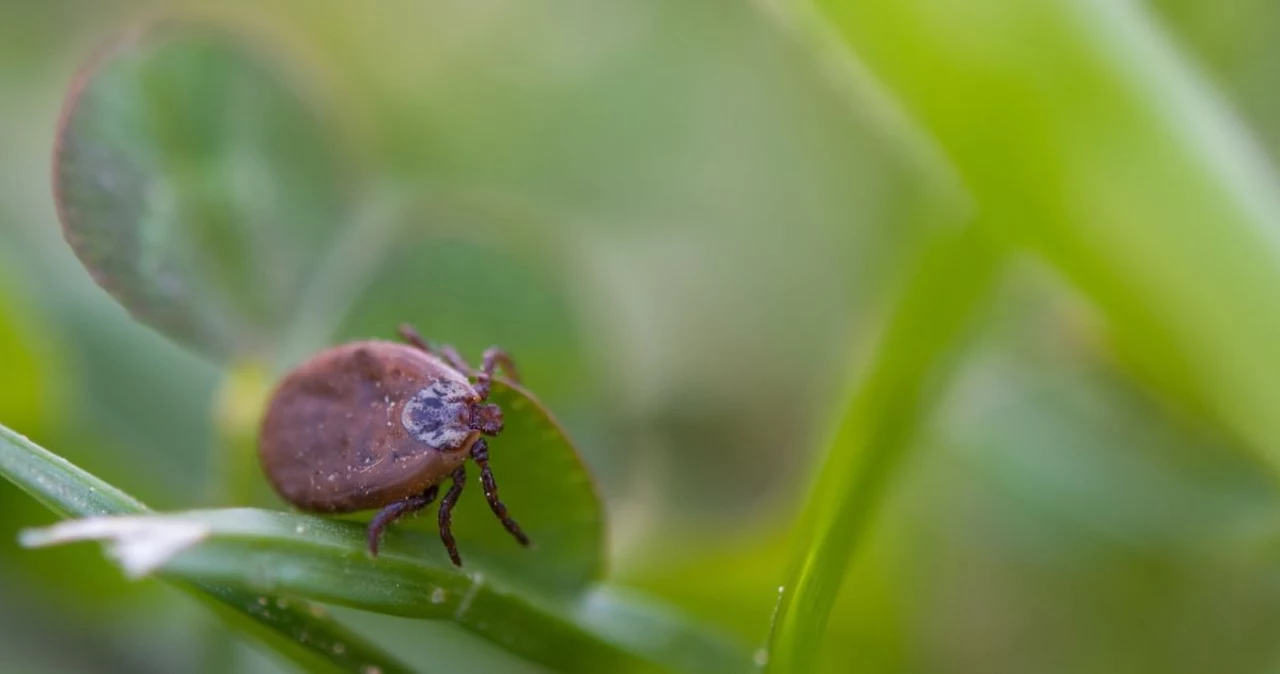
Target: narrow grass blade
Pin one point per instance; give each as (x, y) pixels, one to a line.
(271, 557)
(953, 277)
(325, 559)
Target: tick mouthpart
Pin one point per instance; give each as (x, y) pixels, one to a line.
(487, 419)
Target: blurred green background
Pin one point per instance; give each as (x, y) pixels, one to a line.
(680, 221)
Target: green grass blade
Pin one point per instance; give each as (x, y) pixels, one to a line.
(326, 560)
(642, 626)
(298, 632)
(954, 276)
(271, 557)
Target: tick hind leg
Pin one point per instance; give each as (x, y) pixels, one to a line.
(446, 513)
(480, 453)
(394, 512)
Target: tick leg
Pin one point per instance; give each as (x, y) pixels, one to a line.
(394, 512)
(480, 452)
(455, 359)
(409, 334)
(493, 359)
(446, 513)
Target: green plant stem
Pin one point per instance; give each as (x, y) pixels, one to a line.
(953, 277)
(236, 410)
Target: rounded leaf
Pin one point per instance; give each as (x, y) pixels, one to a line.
(196, 186)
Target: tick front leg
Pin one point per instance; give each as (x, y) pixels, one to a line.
(480, 452)
(394, 512)
(493, 359)
(446, 513)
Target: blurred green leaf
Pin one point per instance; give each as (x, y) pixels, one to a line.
(952, 278)
(473, 291)
(197, 186)
(301, 633)
(1085, 136)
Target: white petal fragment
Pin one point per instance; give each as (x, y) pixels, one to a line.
(139, 544)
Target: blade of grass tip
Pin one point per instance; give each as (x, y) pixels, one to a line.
(955, 273)
(297, 631)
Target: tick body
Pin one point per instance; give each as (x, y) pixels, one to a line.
(381, 425)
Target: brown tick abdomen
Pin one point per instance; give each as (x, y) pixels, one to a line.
(332, 439)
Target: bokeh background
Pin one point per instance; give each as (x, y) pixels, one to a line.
(681, 223)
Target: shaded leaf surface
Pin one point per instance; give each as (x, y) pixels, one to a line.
(196, 186)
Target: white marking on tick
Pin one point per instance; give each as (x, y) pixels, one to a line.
(433, 416)
(373, 465)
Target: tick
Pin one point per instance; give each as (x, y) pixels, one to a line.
(381, 425)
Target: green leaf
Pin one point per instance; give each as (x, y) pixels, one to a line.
(952, 278)
(297, 631)
(1084, 136)
(197, 186)
(478, 276)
